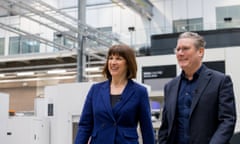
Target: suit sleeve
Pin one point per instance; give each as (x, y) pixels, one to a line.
(226, 113)
(85, 125)
(145, 119)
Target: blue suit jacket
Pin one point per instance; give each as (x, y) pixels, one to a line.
(213, 113)
(117, 125)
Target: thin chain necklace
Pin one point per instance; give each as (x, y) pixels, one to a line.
(118, 89)
(119, 84)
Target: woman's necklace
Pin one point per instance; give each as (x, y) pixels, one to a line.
(118, 88)
(118, 84)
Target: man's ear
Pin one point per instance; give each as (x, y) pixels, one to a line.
(201, 51)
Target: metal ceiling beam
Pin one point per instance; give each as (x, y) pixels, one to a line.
(44, 14)
(60, 19)
(143, 7)
(44, 41)
(37, 20)
(63, 20)
(35, 37)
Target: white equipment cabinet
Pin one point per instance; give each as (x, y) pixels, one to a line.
(64, 103)
(4, 107)
(27, 130)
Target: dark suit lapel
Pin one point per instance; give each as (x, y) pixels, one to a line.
(202, 83)
(173, 95)
(105, 94)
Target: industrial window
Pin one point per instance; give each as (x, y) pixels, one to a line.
(14, 45)
(22, 45)
(195, 24)
(2, 45)
(104, 30)
(29, 45)
(63, 40)
(228, 17)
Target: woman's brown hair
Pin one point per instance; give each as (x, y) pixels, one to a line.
(128, 54)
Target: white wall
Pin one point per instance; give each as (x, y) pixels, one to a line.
(168, 10)
(232, 68)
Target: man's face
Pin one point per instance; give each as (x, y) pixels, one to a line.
(188, 56)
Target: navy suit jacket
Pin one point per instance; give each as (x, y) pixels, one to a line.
(213, 113)
(118, 125)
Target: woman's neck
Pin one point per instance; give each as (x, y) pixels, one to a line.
(118, 82)
(118, 85)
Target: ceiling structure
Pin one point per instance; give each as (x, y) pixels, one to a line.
(65, 25)
(142, 7)
(38, 66)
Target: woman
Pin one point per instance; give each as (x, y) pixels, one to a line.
(114, 108)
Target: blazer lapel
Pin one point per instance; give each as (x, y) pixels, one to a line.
(173, 98)
(127, 93)
(202, 82)
(105, 94)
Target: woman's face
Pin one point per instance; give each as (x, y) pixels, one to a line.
(117, 66)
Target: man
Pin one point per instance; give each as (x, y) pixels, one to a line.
(199, 103)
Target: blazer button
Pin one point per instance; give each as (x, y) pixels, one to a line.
(115, 124)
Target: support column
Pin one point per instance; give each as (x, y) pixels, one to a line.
(81, 40)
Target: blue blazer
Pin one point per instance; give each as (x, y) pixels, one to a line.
(213, 113)
(118, 125)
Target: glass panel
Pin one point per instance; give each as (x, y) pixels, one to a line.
(29, 45)
(195, 24)
(63, 40)
(20, 45)
(57, 38)
(105, 30)
(228, 17)
(14, 45)
(69, 43)
(2, 45)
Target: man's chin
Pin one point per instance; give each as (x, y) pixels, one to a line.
(183, 66)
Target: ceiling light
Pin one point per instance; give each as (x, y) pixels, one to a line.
(59, 71)
(25, 73)
(92, 69)
(36, 79)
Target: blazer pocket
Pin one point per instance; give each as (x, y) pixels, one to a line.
(131, 135)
